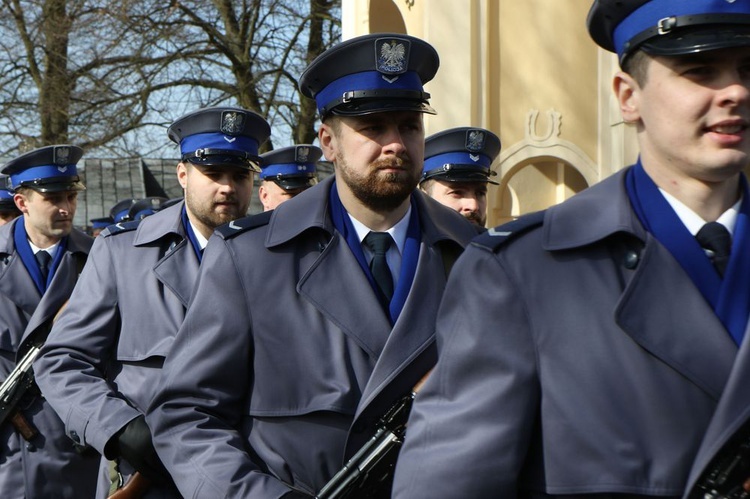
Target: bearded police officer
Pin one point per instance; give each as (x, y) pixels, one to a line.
(599, 348)
(457, 169)
(102, 360)
(286, 172)
(312, 334)
(41, 255)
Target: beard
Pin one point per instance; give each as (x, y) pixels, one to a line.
(378, 190)
(207, 213)
(476, 218)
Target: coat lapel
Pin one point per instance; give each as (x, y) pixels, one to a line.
(337, 287)
(412, 333)
(178, 271)
(685, 332)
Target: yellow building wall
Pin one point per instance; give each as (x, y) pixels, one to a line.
(528, 71)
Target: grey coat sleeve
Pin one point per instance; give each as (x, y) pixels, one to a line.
(471, 423)
(204, 391)
(71, 365)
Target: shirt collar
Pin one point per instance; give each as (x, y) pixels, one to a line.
(202, 241)
(51, 250)
(397, 232)
(694, 222)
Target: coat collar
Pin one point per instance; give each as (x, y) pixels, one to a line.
(160, 224)
(592, 215)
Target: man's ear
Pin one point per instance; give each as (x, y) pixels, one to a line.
(327, 139)
(21, 203)
(182, 174)
(262, 194)
(627, 93)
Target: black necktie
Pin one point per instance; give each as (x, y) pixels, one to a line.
(43, 258)
(715, 238)
(379, 242)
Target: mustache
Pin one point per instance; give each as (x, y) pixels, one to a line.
(400, 163)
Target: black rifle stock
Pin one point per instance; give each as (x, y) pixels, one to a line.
(372, 465)
(19, 382)
(728, 474)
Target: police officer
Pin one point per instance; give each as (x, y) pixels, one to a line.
(8, 208)
(587, 349)
(286, 172)
(103, 357)
(41, 255)
(314, 327)
(457, 170)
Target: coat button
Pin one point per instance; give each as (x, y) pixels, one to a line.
(30, 447)
(631, 259)
(74, 436)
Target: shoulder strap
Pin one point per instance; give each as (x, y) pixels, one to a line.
(494, 238)
(231, 229)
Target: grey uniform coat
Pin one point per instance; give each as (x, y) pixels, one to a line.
(50, 466)
(100, 365)
(286, 359)
(575, 358)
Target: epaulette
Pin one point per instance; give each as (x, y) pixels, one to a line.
(494, 238)
(244, 224)
(119, 227)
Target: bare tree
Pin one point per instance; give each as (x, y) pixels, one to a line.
(104, 74)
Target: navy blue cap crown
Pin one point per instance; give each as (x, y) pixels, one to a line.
(372, 73)
(669, 27)
(47, 169)
(220, 136)
(463, 154)
(291, 167)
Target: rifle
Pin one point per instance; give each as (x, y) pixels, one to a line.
(372, 466)
(728, 474)
(19, 382)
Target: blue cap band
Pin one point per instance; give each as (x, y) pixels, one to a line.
(367, 80)
(5, 195)
(457, 158)
(649, 14)
(117, 217)
(241, 143)
(287, 169)
(43, 172)
(101, 225)
(143, 213)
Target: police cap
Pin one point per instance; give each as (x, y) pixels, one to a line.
(291, 167)
(145, 207)
(220, 136)
(47, 169)
(372, 73)
(6, 195)
(119, 212)
(669, 27)
(102, 222)
(463, 154)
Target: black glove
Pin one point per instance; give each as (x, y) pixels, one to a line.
(133, 443)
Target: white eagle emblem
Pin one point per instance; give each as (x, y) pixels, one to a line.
(302, 154)
(392, 57)
(475, 141)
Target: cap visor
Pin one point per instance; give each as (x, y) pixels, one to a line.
(58, 187)
(225, 161)
(290, 184)
(694, 41)
(362, 107)
(463, 177)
